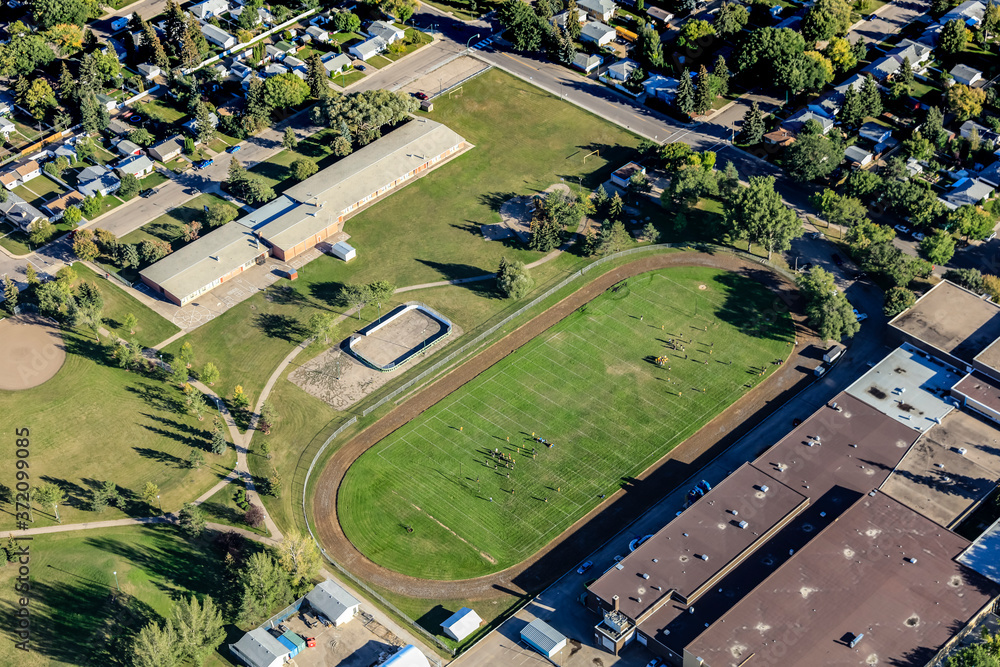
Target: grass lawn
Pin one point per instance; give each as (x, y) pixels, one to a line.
(178, 165)
(109, 203)
(103, 156)
(170, 226)
(152, 328)
(159, 110)
(94, 422)
(72, 583)
(222, 508)
(416, 36)
(13, 239)
(346, 79)
(342, 37)
(39, 190)
(378, 62)
(459, 9)
(275, 171)
(468, 520)
(153, 180)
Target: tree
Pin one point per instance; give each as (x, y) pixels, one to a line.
(991, 19)
(898, 299)
(254, 516)
(970, 279)
(155, 646)
(51, 495)
(904, 74)
(10, 293)
(357, 295)
(299, 557)
(650, 234)
(179, 373)
(720, 77)
(703, 94)
(691, 184)
(513, 280)
(219, 214)
(685, 99)
(523, 27)
(812, 157)
(66, 36)
(193, 44)
(23, 54)
(186, 354)
(262, 587)
(953, 38)
(966, 102)
(93, 115)
(771, 56)
(757, 215)
(31, 276)
(85, 249)
(650, 49)
(192, 231)
(192, 517)
(150, 494)
(317, 77)
(731, 18)
(826, 19)
(141, 137)
(204, 128)
(303, 168)
(153, 250)
(129, 255)
(694, 33)
(38, 98)
(319, 326)
(381, 291)
(752, 130)
(838, 50)
(199, 628)
(972, 222)
(209, 374)
(346, 22)
(218, 444)
(613, 238)
(289, 140)
(938, 248)
(249, 16)
(49, 13)
(828, 309)
(871, 97)
(152, 47)
(129, 186)
(817, 70)
(615, 206)
(106, 494)
(40, 232)
(268, 415)
(573, 27)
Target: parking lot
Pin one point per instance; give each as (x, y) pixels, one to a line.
(357, 643)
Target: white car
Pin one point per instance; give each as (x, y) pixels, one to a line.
(902, 229)
(918, 236)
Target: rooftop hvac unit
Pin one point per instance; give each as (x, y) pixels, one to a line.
(645, 575)
(763, 488)
(703, 556)
(734, 512)
(911, 561)
(744, 525)
(690, 610)
(857, 638)
(962, 451)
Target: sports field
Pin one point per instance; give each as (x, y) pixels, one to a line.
(427, 501)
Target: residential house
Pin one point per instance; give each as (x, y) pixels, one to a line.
(991, 174)
(258, 648)
(148, 71)
(107, 101)
(661, 87)
(218, 36)
(621, 70)
(330, 600)
(67, 151)
(297, 66)
(138, 166)
(985, 133)
(57, 207)
(7, 128)
(97, 179)
(780, 137)
(19, 212)
(587, 62)
(335, 63)
(220, 69)
(387, 31)
(115, 47)
(272, 52)
(263, 16)
(913, 167)
(119, 127)
(660, 15)
(213, 120)
(798, 120)
(19, 173)
(240, 70)
(461, 624)
(858, 157)
(368, 48)
(882, 68)
(318, 33)
(273, 69)
(6, 102)
(968, 191)
(559, 20)
(875, 133)
(209, 8)
(970, 12)
(126, 148)
(918, 54)
(965, 74)
(286, 48)
(598, 33)
(602, 10)
(621, 176)
(167, 149)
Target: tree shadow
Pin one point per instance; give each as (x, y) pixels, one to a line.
(160, 457)
(495, 200)
(755, 311)
(283, 327)
(75, 495)
(195, 432)
(328, 293)
(223, 512)
(470, 275)
(157, 397)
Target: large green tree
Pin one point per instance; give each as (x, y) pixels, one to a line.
(523, 28)
(285, 91)
(752, 130)
(730, 19)
(771, 56)
(48, 13)
(649, 47)
(826, 19)
(199, 627)
(757, 214)
(812, 157)
(938, 248)
(262, 586)
(513, 280)
(953, 38)
(23, 54)
(828, 309)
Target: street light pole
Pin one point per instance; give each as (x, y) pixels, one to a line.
(470, 41)
(116, 581)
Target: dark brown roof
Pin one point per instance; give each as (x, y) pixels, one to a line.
(981, 389)
(854, 578)
(625, 172)
(672, 559)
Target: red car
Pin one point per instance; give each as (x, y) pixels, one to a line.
(420, 96)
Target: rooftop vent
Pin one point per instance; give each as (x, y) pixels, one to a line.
(703, 556)
(962, 451)
(857, 638)
(763, 488)
(645, 575)
(734, 512)
(690, 610)
(911, 560)
(744, 525)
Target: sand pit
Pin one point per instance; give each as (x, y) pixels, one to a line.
(33, 352)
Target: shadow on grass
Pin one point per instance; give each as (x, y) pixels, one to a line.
(224, 513)
(157, 397)
(160, 457)
(328, 294)
(75, 496)
(495, 200)
(751, 307)
(284, 327)
(451, 271)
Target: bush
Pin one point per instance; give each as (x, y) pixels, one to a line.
(254, 516)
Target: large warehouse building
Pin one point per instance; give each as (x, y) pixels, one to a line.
(834, 546)
(307, 213)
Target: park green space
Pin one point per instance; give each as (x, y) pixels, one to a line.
(72, 580)
(152, 328)
(93, 422)
(431, 475)
(169, 227)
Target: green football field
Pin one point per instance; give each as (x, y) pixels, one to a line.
(427, 501)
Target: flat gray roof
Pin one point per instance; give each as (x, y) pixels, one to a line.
(952, 319)
(330, 599)
(672, 558)
(378, 164)
(204, 261)
(542, 635)
(981, 555)
(908, 387)
(937, 480)
(852, 579)
(260, 647)
(296, 225)
(990, 357)
(267, 212)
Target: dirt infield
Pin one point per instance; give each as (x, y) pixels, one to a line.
(33, 352)
(398, 337)
(621, 507)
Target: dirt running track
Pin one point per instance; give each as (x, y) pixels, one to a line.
(619, 509)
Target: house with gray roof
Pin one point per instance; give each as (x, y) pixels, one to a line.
(138, 166)
(965, 75)
(167, 149)
(336, 63)
(209, 8)
(97, 180)
(798, 120)
(218, 36)
(602, 10)
(875, 133)
(19, 212)
(985, 133)
(661, 87)
(915, 52)
(387, 31)
(882, 68)
(858, 157)
(543, 638)
(317, 33)
(621, 70)
(971, 13)
(126, 148)
(969, 191)
(148, 71)
(598, 33)
(368, 48)
(559, 20)
(332, 601)
(587, 62)
(258, 648)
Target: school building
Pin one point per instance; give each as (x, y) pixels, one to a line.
(307, 213)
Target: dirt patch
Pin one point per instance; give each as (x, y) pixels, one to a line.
(33, 352)
(398, 337)
(516, 213)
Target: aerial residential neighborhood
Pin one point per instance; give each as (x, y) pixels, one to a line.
(406, 333)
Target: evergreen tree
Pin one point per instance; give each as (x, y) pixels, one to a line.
(753, 125)
(650, 48)
(852, 112)
(203, 127)
(703, 93)
(904, 74)
(572, 24)
(93, 115)
(933, 127)
(175, 26)
(67, 84)
(567, 52)
(685, 100)
(289, 140)
(189, 52)
(722, 76)
(871, 97)
(317, 77)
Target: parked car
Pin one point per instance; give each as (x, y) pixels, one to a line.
(201, 164)
(655, 662)
(861, 316)
(420, 96)
(586, 566)
(918, 236)
(233, 149)
(837, 260)
(902, 229)
(148, 192)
